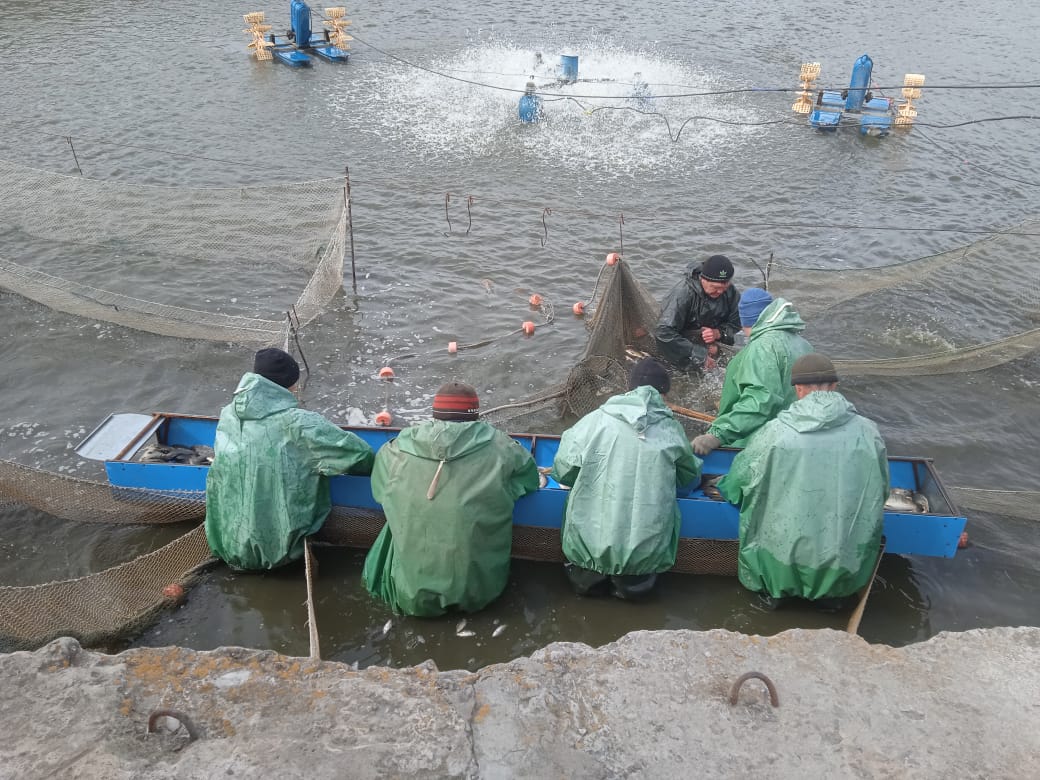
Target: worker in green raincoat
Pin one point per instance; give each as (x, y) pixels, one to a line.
(758, 378)
(625, 461)
(811, 487)
(268, 487)
(447, 487)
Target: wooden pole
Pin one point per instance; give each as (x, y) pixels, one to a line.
(857, 614)
(312, 621)
(692, 414)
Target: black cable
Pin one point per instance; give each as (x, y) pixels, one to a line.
(982, 168)
(713, 93)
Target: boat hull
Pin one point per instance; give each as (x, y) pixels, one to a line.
(709, 527)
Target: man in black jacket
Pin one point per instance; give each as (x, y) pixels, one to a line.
(699, 311)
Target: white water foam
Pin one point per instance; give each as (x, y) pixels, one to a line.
(593, 124)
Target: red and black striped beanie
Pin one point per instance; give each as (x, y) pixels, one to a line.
(456, 402)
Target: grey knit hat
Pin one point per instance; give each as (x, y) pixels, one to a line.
(813, 369)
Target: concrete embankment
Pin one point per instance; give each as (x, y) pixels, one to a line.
(653, 704)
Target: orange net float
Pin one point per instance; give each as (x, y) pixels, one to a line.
(386, 373)
(453, 347)
(384, 418)
(613, 258)
(963, 541)
(578, 309)
(527, 328)
(174, 592)
(535, 300)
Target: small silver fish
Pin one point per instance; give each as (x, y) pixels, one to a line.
(460, 626)
(466, 633)
(388, 626)
(499, 631)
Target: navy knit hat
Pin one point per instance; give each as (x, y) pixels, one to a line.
(717, 268)
(813, 369)
(753, 301)
(277, 365)
(456, 402)
(649, 372)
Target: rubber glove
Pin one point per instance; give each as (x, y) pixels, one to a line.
(705, 443)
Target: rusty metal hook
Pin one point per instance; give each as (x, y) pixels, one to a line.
(735, 691)
(546, 212)
(469, 202)
(447, 199)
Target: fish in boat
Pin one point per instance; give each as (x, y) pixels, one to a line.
(904, 500)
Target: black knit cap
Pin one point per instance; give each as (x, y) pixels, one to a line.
(456, 402)
(277, 365)
(649, 372)
(813, 369)
(717, 268)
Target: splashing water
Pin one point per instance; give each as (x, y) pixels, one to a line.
(595, 123)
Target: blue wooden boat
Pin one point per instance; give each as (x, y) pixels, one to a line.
(709, 526)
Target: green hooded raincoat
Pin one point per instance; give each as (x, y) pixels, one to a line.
(811, 487)
(448, 490)
(268, 486)
(758, 378)
(625, 461)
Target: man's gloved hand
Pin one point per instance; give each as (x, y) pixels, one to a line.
(706, 443)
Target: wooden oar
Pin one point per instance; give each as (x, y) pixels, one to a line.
(857, 613)
(692, 414)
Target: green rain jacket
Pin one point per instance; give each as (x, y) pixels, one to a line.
(758, 378)
(268, 486)
(811, 487)
(625, 461)
(448, 490)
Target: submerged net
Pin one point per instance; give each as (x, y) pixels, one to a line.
(100, 607)
(87, 501)
(1024, 504)
(91, 248)
(818, 291)
(976, 357)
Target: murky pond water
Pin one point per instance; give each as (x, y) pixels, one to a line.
(155, 96)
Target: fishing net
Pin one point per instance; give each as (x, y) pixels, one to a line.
(100, 607)
(229, 258)
(819, 291)
(620, 327)
(977, 357)
(87, 501)
(1023, 504)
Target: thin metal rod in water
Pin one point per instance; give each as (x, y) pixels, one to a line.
(68, 139)
(350, 227)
